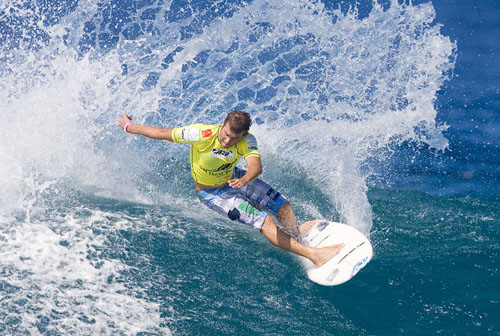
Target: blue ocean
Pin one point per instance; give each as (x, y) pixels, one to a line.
(381, 115)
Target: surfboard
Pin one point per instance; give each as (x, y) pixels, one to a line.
(356, 253)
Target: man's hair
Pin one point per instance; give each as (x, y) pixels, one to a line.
(239, 121)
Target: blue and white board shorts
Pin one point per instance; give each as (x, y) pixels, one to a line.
(249, 205)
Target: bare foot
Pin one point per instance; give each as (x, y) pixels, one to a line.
(323, 254)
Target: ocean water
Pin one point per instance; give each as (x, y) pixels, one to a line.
(383, 115)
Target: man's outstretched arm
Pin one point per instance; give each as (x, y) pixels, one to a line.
(148, 131)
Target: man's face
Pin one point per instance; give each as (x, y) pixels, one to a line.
(227, 138)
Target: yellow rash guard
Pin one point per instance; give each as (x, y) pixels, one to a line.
(211, 164)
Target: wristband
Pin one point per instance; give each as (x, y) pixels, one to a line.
(126, 126)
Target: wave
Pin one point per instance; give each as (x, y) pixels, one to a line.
(329, 92)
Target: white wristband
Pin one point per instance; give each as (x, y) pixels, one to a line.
(126, 126)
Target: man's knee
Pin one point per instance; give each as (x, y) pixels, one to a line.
(286, 209)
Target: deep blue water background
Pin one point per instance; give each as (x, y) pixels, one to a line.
(436, 217)
(469, 104)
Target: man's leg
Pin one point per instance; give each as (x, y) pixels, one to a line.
(277, 237)
(287, 220)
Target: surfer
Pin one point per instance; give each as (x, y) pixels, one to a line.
(231, 191)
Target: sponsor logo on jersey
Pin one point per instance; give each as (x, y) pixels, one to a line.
(206, 133)
(221, 170)
(222, 154)
(190, 134)
(225, 166)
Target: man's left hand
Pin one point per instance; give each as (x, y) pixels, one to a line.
(125, 119)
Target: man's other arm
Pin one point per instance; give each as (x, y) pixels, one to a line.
(254, 169)
(148, 131)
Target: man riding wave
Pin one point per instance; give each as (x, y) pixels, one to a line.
(215, 151)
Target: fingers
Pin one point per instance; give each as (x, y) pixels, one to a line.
(236, 183)
(125, 118)
(126, 115)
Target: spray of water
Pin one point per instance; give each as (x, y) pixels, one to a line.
(327, 90)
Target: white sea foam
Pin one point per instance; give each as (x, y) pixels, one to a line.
(60, 282)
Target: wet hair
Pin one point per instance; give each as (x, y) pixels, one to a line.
(239, 121)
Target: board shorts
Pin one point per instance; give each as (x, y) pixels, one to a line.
(249, 205)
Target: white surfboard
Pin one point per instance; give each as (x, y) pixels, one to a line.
(356, 253)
